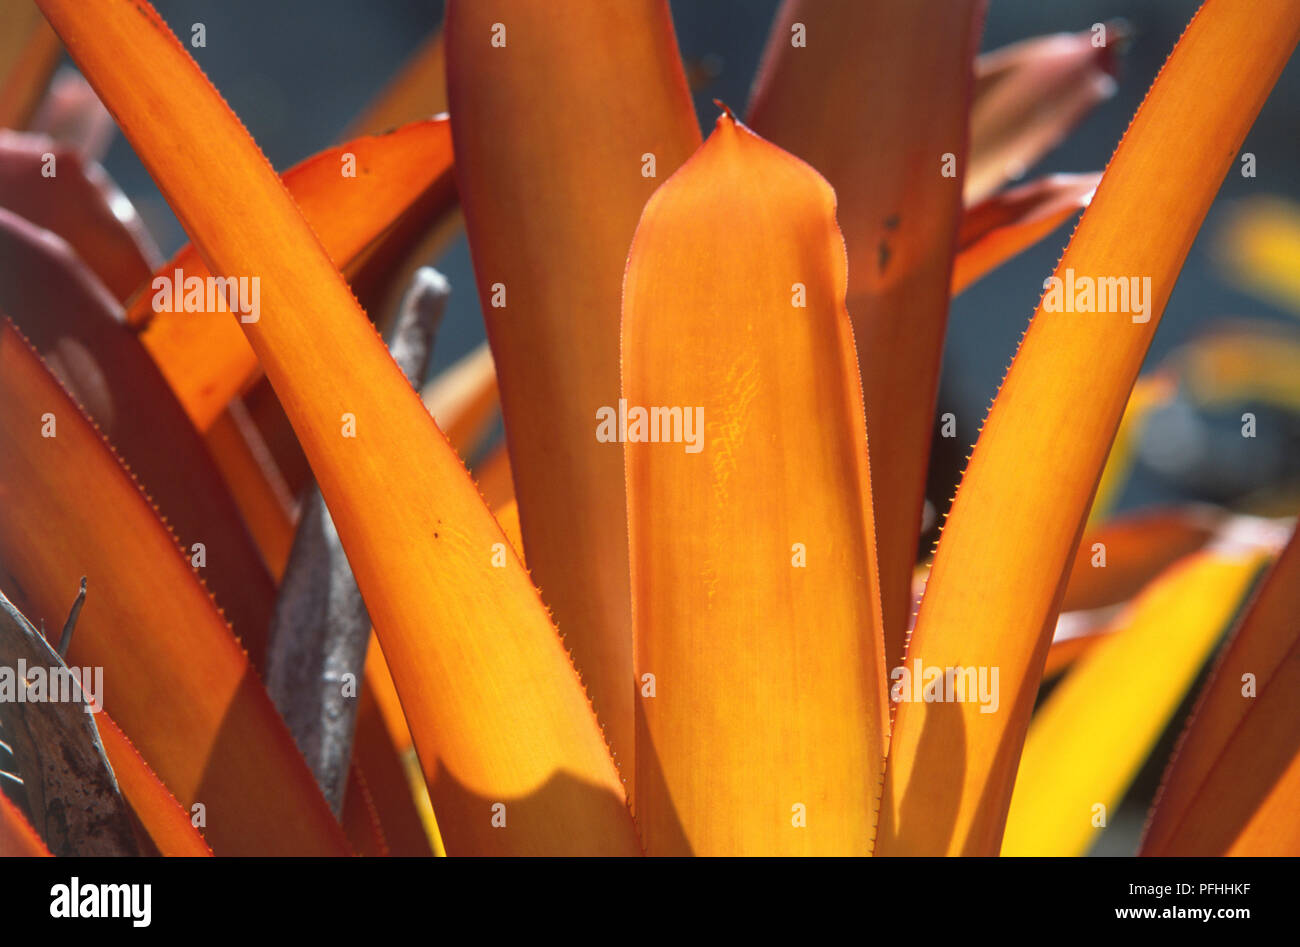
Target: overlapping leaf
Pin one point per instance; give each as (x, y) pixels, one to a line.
(550, 219)
(1092, 735)
(896, 162)
(350, 195)
(1233, 787)
(175, 678)
(70, 318)
(1000, 568)
(496, 710)
(999, 227)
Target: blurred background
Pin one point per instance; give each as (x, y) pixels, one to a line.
(298, 72)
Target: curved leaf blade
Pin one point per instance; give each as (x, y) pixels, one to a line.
(497, 713)
(999, 571)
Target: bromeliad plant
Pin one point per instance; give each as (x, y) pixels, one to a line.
(738, 671)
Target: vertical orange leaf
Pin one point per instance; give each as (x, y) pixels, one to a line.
(877, 102)
(1000, 569)
(550, 218)
(761, 721)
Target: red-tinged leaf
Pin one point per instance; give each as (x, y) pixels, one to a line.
(1001, 564)
(79, 203)
(175, 678)
(169, 824)
(837, 103)
(550, 219)
(203, 354)
(70, 318)
(1029, 95)
(999, 227)
(755, 600)
(1233, 787)
(496, 711)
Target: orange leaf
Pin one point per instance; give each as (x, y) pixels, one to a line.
(1065, 651)
(754, 589)
(1233, 787)
(176, 680)
(169, 825)
(999, 227)
(497, 713)
(837, 104)
(550, 219)
(1000, 569)
(203, 354)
